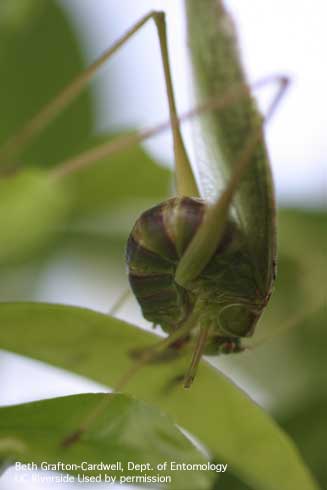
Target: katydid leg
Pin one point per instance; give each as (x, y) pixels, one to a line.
(205, 242)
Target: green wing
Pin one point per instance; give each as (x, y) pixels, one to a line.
(224, 133)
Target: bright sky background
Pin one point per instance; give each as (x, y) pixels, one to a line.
(288, 37)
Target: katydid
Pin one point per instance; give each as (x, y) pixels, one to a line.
(202, 270)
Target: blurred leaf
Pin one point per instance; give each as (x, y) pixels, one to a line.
(303, 237)
(36, 61)
(217, 412)
(228, 481)
(128, 430)
(308, 427)
(302, 243)
(16, 14)
(31, 206)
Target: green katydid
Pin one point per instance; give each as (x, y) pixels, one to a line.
(216, 277)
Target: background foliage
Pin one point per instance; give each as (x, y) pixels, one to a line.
(82, 216)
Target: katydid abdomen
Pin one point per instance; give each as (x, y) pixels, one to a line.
(225, 291)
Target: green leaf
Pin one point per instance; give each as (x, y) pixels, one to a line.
(307, 424)
(303, 236)
(229, 481)
(31, 206)
(15, 15)
(36, 61)
(128, 430)
(234, 428)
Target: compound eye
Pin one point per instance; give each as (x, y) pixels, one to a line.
(238, 320)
